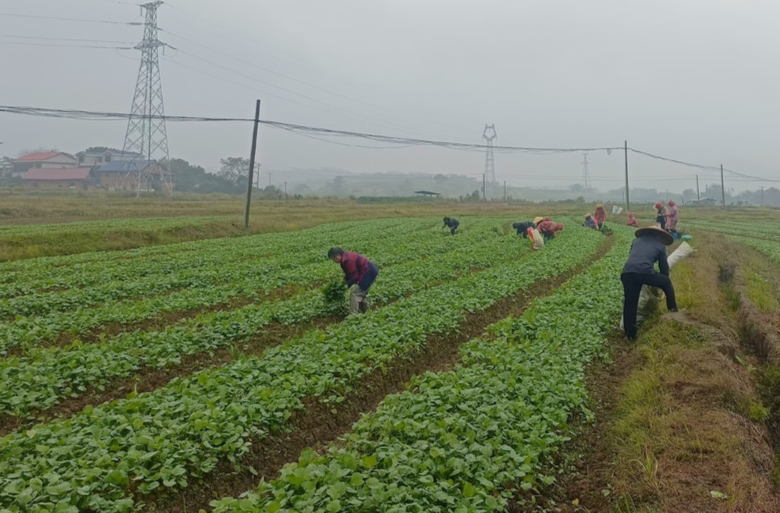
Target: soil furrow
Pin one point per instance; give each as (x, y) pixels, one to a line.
(317, 424)
(149, 379)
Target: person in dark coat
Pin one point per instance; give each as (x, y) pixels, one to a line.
(648, 248)
(358, 271)
(522, 227)
(451, 223)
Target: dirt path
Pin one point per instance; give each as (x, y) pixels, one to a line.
(680, 426)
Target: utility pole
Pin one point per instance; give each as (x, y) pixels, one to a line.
(722, 186)
(257, 174)
(146, 139)
(484, 191)
(698, 196)
(585, 172)
(628, 197)
(285, 190)
(507, 201)
(667, 195)
(762, 195)
(251, 165)
(269, 178)
(490, 135)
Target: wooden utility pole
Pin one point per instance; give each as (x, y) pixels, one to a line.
(251, 166)
(698, 196)
(722, 187)
(628, 198)
(484, 187)
(285, 190)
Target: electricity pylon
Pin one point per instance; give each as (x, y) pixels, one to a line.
(146, 142)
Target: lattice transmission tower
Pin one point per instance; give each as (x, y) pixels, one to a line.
(146, 143)
(490, 135)
(585, 172)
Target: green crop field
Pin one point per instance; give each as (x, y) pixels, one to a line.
(199, 375)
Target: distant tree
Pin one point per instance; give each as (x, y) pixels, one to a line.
(101, 149)
(189, 178)
(39, 149)
(6, 168)
(234, 169)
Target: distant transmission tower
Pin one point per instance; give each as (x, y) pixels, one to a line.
(147, 138)
(490, 136)
(585, 172)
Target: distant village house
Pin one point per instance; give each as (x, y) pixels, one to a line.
(111, 176)
(48, 160)
(59, 178)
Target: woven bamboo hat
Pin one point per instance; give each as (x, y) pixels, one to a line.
(666, 237)
(538, 220)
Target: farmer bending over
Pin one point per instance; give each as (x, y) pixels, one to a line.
(451, 223)
(358, 270)
(522, 228)
(648, 248)
(548, 228)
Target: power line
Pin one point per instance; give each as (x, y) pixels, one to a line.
(700, 166)
(256, 90)
(326, 132)
(67, 39)
(59, 18)
(288, 77)
(231, 33)
(387, 124)
(95, 47)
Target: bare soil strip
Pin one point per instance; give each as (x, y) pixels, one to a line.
(317, 425)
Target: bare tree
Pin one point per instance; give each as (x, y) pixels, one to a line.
(235, 169)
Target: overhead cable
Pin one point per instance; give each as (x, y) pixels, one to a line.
(327, 132)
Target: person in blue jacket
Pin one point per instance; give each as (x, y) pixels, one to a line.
(648, 247)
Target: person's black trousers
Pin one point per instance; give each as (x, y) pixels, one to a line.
(632, 287)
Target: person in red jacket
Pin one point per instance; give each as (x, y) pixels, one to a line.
(632, 220)
(548, 228)
(600, 215)
(358, 271)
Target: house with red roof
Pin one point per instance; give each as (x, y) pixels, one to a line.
(47, 160)
(59, 178)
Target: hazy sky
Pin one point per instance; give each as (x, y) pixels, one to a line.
(695, 80)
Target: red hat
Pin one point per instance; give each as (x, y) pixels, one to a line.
(658, 205)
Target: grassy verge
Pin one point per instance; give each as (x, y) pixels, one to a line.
(682, 426)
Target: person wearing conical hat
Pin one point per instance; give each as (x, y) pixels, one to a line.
(538, 220)
(648, 247)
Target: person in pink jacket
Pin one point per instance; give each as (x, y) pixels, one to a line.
(632, 220)
(600, 215)
(671, 218)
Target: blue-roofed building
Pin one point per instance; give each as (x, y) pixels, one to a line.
(110, 174)
(97, 158)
